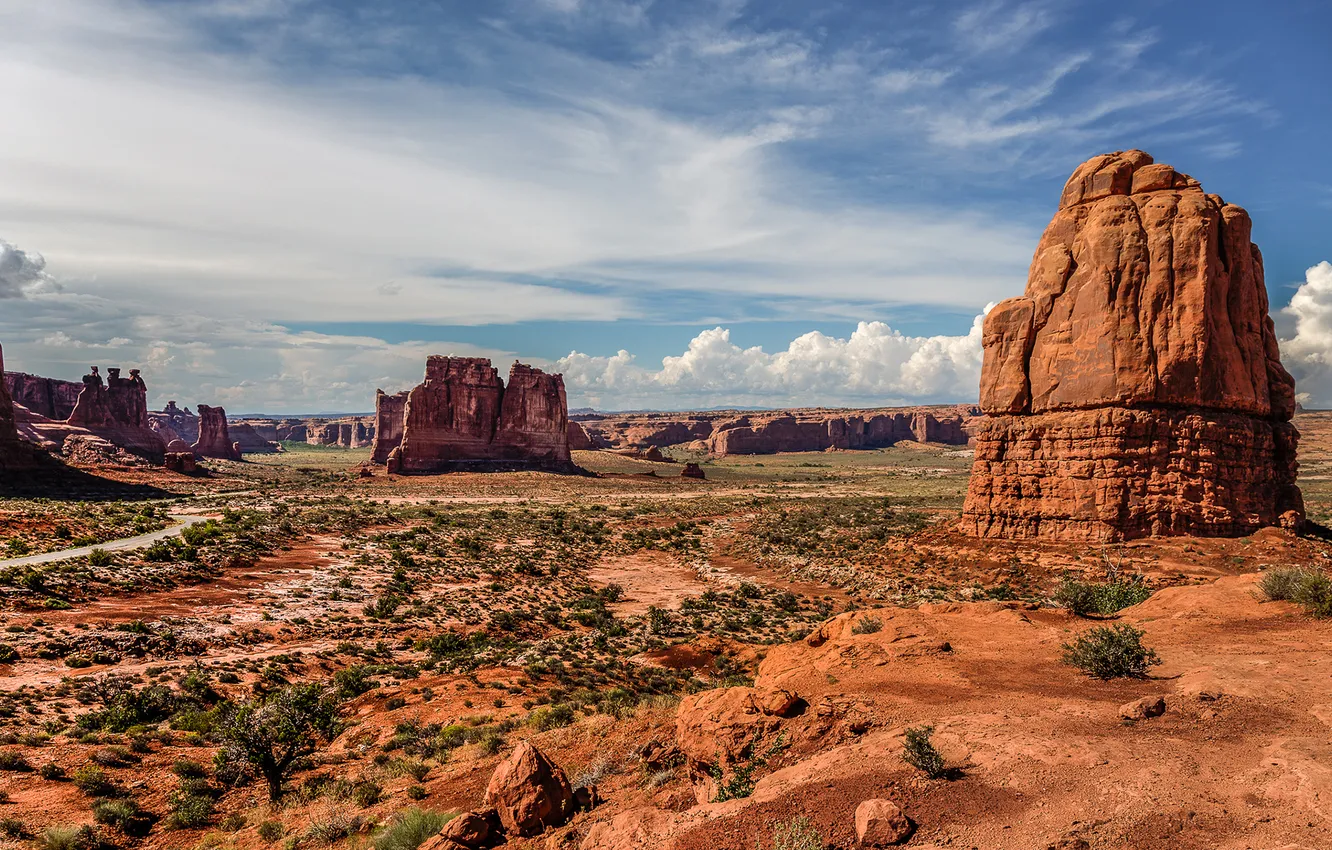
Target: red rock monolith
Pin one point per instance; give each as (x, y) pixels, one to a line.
(389, 411)
(529, 792)
(214, 435)
(117, 411)
(1136, 387)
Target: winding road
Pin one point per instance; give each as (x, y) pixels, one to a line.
(184, 521)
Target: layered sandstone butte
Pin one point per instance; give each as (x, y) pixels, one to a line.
(752, 434)
(389, 410)
(1136, 388)
(464, 415)
(351, 433)
(214, 435)
(117, 411)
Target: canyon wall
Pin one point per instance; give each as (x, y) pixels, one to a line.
(1136, 387)
(389, 412)
(49, 397)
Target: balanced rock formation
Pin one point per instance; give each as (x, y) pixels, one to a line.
(214, 435)
(389, 410)
(463, 416)
(117, 410)
(1136, 387)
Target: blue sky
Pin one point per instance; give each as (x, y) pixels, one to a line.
(282, 204)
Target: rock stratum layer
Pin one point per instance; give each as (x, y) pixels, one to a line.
(1136, 387)
(463, 416)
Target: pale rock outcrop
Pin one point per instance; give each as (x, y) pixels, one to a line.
(1136, 388)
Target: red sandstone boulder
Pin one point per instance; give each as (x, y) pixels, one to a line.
(529, 792)
(214, 435)
(880, 823)
(643, 828)
(693, 470)
(1136, 387)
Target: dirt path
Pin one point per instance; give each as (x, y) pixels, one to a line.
(184, 520)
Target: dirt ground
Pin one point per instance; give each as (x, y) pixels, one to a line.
(591, 614)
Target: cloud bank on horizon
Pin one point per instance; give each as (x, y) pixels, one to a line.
(224, 192)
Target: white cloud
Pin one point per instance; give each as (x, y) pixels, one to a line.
(1308, 354)
(23, 274)
(876, 365)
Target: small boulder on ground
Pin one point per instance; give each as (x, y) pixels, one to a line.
(880, 823)
(1142, 709)
(474, 829)
(529, 792)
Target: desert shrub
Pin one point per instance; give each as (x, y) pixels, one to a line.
(189, 811)
(552, 717)
(93, 781)
(100, 558)
(14, 760)
(1282, 584)
(233, 822)
(1088, 598)
(332, 825)
(13, 828)
(271, 830)
(866, 625)
(8, 654)
(352, 681)
(1308, 588)
(410, 828)
(417, 792)
(188, 769)
(796, 834)
(367, 793)
(740, 783)
(919, 752)
(51, 771)
(123, 815)
(1111, 652)
(72, 838)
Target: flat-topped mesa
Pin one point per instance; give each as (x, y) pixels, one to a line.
(1136, 388)
(463, 416)
(214, 435)
(118, 411)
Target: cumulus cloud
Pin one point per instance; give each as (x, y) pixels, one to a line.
(876, 365)
(1308, 354)
(23, 273)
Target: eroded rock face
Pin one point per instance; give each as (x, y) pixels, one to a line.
(13, 454)
(214, 435)
(117, 410)
(463, 414)
(49, 397)
(389, 412)
(1136, 387)
(814, 431)
(172, 422)
(529, 792)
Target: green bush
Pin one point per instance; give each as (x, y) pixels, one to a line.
(1085, 598)
(553, 717)
(1308, 588)
(410, 828)
(100, 558)
(124, 815)
(92, 780)
(796, 834)
(1111, 652)
(71, 838)
(8, 654)
(189, 811)
(866, 625)
(919, 752)
(14, 760)
(271, 830)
